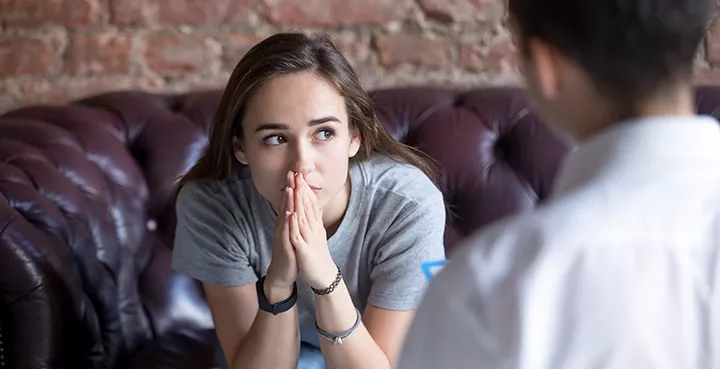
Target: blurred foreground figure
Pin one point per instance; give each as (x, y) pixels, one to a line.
(620, 268)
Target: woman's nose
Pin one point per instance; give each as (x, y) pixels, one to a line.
(304, 160)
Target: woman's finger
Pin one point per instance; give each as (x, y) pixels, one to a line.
(299, 201)
(296, 237)
(290, 179)
(290, 198)
(312, 206)
(306, 221)
(285, 232)
(307, 199)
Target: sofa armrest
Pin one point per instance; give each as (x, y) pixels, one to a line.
(173, 301)
(178, 350)
(44, 317)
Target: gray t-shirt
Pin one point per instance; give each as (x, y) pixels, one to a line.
(394, 222)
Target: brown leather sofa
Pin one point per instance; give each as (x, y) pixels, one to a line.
(86, 217)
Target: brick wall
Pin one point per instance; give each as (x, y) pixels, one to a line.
(52, 51)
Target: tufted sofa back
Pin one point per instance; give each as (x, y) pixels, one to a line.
(87, 221)
(85, 231)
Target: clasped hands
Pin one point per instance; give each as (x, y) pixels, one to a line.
(300, 247)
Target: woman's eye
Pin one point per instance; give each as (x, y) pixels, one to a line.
(325, 134)
(274, 140)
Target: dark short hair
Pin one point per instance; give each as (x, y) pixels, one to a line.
(630, 48)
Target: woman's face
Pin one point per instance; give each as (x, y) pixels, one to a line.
(299, 123)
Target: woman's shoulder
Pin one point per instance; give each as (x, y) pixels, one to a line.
(385, 173)
(214, 191)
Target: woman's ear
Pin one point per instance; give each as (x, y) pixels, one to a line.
(239, 151)
(355, 141)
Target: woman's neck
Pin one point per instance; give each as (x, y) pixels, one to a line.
(334, 212)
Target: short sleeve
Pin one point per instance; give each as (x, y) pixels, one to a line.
(208, 239)
(413, 238)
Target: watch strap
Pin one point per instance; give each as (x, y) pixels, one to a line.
(278, 307)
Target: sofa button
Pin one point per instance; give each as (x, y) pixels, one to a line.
(151, 225)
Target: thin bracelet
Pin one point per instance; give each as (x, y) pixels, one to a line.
(332, 287)
(338, 338)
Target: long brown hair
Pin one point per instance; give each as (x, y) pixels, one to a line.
(287, 53)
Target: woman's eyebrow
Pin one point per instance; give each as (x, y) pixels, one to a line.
(280, 126)
(315, 122)
(271, 127)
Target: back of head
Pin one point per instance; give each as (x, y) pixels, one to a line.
(629, 48)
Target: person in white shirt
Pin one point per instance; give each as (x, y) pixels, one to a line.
(619, 269)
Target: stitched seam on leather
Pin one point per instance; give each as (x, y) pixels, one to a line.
(432, 110)
(26, 293)
(522, 180)
(6, 219)
(516, 119)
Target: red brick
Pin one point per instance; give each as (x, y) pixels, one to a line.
(93, 54)
(60, 92)
(131, 12)
(195, 83)
(7, 100)
(191, 12)
(351, 45)
(40, 92)
(404, 48)
(463, 10)
(26, 56)
(329, 13)
(172, 55)
(235, 47)
(198, 12)
(498, 55)
(39, 13)
(712, 43)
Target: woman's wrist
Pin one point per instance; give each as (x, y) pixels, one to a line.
(275, 293)
(335, 312)
(326, 278)
(328, 287)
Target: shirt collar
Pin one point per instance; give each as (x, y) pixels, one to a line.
(650, 142)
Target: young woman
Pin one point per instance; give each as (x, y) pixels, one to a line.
(306, 222)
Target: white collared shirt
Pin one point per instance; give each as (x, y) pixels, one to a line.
(620, 270)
